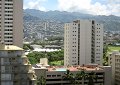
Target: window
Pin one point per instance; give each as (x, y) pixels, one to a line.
(53, 75)
(8, 18)
(48, 75)
(8, 26)
(58, 75)
(8, 41)
(8, 22)
(8, 0)
(8, 11)
(8, 4)
(8, 33)
(8, 37)
(8, 15)
(8, 7)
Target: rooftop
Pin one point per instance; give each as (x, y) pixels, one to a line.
(9, 47)
(71, 68)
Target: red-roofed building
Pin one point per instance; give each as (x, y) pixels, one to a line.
(57, 75)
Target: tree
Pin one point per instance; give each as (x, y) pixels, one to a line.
(87, 76)
(69, 76)
(27, 47)
(41, 81)
(105, 50)
(91, 77)
(81, 75)
(34, 57)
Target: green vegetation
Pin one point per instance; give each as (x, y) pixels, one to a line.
(112, 48)
(106, 50)
(53, 40)
(55, 58)
(41, 81)
(58, 63)
(105, 57)
(27, 47)
(76, 78)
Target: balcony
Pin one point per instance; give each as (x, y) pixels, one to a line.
(93, 45)
(93, 31)
(93, 49)
(92, 60)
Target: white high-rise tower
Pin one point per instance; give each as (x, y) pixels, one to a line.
(83, 42)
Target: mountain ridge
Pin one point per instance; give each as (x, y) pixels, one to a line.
(70, 16)
(35, 20)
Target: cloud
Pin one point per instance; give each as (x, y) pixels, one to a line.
(85, 6)
(35, 4)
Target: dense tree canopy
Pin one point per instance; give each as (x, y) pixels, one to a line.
(34, 57)
(27, 47)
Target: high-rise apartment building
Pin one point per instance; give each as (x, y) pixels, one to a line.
(15, 68)
(83, 42)
(11, 22)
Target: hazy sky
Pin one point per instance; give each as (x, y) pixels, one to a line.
(96, 7)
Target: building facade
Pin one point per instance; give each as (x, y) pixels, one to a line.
(83, 42)
(15, 68)
(114, 61)
(11, 22)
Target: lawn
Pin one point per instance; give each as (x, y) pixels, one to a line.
(57, 63)
(112, 48)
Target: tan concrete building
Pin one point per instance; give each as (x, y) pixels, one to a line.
(11, 22)
(15, 68)
(83, 42)
(114, 61)
(55, 75)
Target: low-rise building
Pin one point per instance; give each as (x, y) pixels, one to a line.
(67, 75)
(114, 61)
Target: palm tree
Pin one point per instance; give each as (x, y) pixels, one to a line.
(87, 76)
(81, 75)
(41, 81)
(91, 77)
(69, 76)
